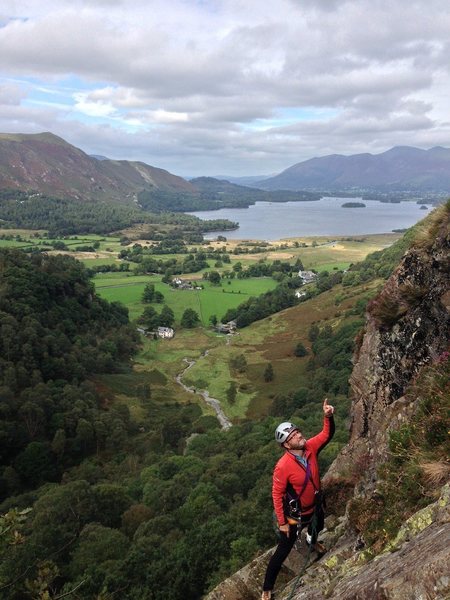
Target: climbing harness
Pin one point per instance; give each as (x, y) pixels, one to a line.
(292, 502)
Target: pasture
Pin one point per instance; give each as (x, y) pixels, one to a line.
(271, 340)
(212, 300)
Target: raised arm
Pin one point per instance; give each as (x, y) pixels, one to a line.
(320, 440)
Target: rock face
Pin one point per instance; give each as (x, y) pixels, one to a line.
(246, 583)
(415, 566)
(407, 327)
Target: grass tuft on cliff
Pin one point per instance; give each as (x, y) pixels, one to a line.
(426, 231)
(418, 465)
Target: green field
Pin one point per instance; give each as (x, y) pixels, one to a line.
(320, 253)
(13, 244)
(108, 245)
(212, 300)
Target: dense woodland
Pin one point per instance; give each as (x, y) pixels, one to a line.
(66, 217)
(116, 509)
(54, 333)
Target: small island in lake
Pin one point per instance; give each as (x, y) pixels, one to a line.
(353, 205)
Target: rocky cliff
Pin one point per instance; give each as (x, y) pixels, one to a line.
(407, 327)
(406, 333)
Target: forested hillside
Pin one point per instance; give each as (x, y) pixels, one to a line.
(119, 508)
(54, 333)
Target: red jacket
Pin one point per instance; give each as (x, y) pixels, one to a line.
(288, 470)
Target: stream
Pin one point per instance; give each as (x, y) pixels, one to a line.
(221, 416)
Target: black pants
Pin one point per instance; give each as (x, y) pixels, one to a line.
(286, 543)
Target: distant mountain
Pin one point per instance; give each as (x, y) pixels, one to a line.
(401, 168)
(250, 180)
(47, 164)
(212, 194)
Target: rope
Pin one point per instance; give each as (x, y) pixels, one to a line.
(302, 572)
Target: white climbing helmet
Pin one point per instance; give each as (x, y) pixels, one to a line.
(283, 431)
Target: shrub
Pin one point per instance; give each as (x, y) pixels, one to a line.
(300, 350)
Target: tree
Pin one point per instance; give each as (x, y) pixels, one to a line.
(214, 277)
(149, 293)
(36, 463)
(268, 373)
(149, 318)
(96, 545)
(213, 320)
(239, 363)
(167, 317)
(110, 501)
(300, 350)
(85, 436)
(134, 516)
(232, 392)
(189, 319)
(313, 332)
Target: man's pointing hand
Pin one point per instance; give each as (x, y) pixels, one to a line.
(327, 408)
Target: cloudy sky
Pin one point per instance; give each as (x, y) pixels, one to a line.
(236, 87)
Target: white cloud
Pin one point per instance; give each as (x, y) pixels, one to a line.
(93, 108)
(222, 84)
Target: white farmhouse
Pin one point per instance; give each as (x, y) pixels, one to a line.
(307, 276)
(165, 332)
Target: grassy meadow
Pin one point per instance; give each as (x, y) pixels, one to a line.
(272, 340)
(212, 300)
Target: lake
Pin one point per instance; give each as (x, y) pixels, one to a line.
(278, 220)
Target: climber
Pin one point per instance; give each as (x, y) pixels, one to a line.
(296, 494)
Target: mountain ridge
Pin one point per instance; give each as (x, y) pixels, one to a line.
(399, 168)
(47, 164)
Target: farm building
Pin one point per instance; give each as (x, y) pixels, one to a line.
(307, 276)
(165, 332)
(229, 327)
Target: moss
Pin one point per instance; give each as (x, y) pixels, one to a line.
(332, 562)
